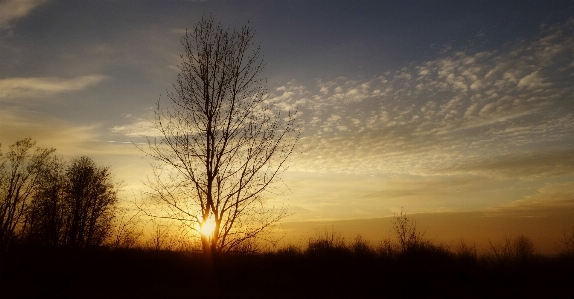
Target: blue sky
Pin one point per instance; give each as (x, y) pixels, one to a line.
(430, 106)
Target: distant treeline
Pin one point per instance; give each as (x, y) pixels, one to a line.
(328, 266)
(45, 200)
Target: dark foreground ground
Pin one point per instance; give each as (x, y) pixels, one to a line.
(44, 272)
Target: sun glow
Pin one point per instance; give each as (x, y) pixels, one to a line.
(208, 226)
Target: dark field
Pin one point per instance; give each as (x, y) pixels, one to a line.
(326, 268)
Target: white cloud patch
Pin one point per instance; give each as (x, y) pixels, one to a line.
(532, 81)
(12, 10)
(11, 88)
(137, 127)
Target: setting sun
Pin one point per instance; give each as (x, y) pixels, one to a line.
(208, 226)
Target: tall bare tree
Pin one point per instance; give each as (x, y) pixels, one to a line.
(221, 144)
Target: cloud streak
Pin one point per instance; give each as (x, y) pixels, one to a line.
(12, 10)
(13, 88)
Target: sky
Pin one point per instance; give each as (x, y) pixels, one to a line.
(443, 109)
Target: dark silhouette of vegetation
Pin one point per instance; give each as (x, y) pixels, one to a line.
(90, 196)
(328, 266)
(46, 201)
(565, 247)
(20, 173)
(46, 216)
(221, 144)
(126, 229)
(73, 205)
(409, 238)
(518, 249)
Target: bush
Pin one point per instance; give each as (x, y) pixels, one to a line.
(409, 238)
(511, 250)
(565, 247)
(328, 243)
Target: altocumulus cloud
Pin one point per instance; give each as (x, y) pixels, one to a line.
(496, 111)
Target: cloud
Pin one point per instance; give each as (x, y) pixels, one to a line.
(532, 81)
(11, 88)
(16, 124)
(178, 31)
(527, 165)
(552, 196)
(501, 113)
(12, 10)
(497, 113)
(138, 127)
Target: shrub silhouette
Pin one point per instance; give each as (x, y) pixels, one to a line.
(410, 239)
(511, 250)
(327, 244)
(289, 250)
(361, 248)
(462, 249)
(565, 247)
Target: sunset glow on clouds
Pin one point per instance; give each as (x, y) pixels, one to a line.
(465, 119)
(458, 118)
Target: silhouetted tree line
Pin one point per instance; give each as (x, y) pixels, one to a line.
(406, 265)
(47, 201)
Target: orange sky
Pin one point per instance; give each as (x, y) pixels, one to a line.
(544, 227)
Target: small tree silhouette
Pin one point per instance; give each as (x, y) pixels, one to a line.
(126, 230)
(408, 236)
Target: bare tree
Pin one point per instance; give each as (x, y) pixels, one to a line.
(20, 171)
(126, 229)
(221, 144)
(408, 236)
(519, 249)
(45, 218)
(91, 196)
(161, 237)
